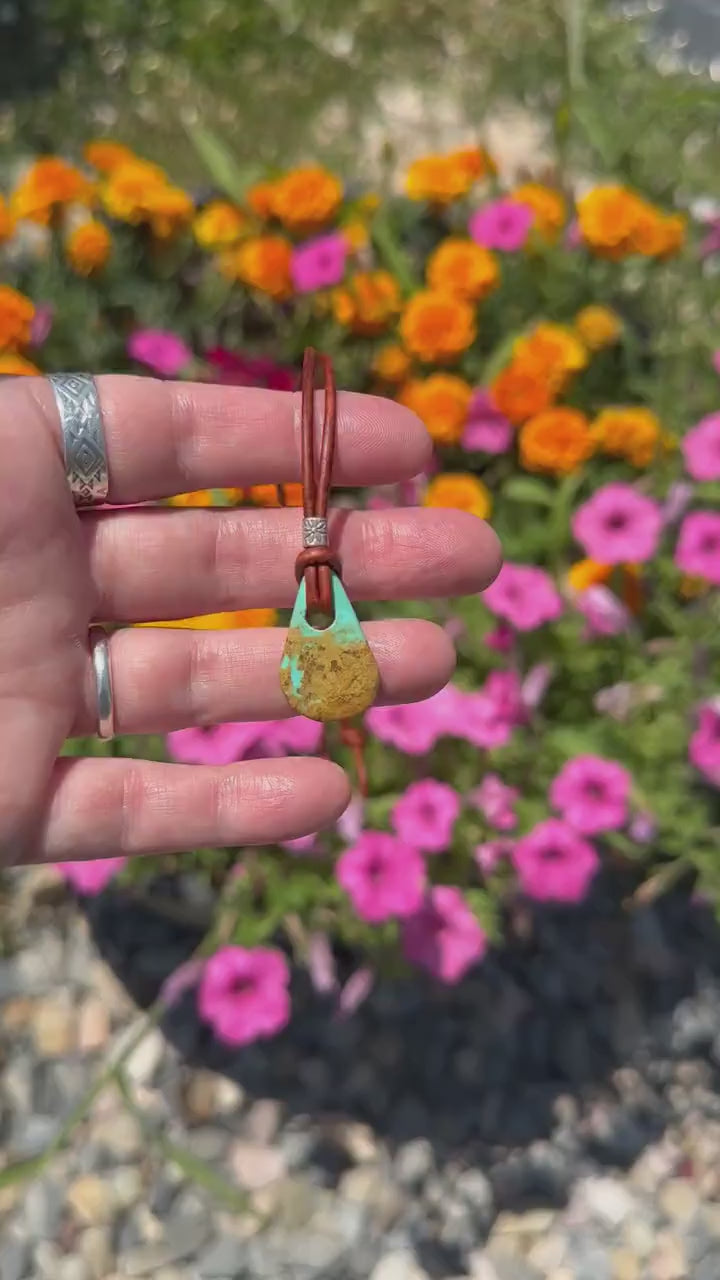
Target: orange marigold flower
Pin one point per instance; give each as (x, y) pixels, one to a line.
(219, 225)
(260, 199)
(169, 210)
(368, 303)
(263, 263)
(356, 235)
(608, 216)
(655, 234)
(391, 363)
(625, 579)
(16, 314)
(107, 156)
(442, 401)
(598, 327)
(126, 192)
(88, 247)
(551, 350)
(306, 199)
(222, 621)
(474, 160)
(520, 392)
(558, 441)
(17, 366)
(48, 183)
(674, 227)
(460, 490)
(630, 432)
(587, 573)
(548, 206)
(460, 266)
(437, 327)
(440, 179)
(7, 222)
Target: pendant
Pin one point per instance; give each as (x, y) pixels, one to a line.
(328, 674)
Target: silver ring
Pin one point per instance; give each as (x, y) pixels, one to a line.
(83, 438)
(315, 531)
(100, 653)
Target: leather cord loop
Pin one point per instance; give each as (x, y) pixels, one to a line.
(315, 564)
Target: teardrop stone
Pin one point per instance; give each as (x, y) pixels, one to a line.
(328, 674)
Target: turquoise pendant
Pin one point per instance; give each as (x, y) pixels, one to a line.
(328, 674)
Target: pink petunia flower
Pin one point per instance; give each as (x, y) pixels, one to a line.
(444, 936)
(535, 685)
(701, 449)
(163, 352)
(351, 822)
(93, 876)
(603, 612)
(554, 863)
(298, 734)
(383, 877)
(425, 815)
(698, 545)
(487, 717)
(491, 853)
(487, 430)
(618, 525)
(592, 794)
(250, 371)
(219, 744)
(41, 324)
(416, 727)
(502, 224)
(243, 993)
(495, 801)
(319, 263)
(524, 596)
(704, 747)
(501, 638)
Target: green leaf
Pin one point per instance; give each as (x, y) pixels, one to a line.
(528, 489)
(231, 177)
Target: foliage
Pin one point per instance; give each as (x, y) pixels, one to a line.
(560, 356)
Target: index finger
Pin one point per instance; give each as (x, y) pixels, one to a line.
(164, 438)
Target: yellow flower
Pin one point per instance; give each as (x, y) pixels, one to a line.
(614, 221)
(519, 392)
(547, 205)
(49, 183)
(16, 315)
(557, 441)
(222, 621)
(368, 303)
(306, 199)
(587, 573)
(442, 402)
(440, 179)
(88, 247)
(219, 225)
(107, 156)
(552, 351)
(437, 327)
(598, 327)
(7, 222)
(391, 363)
(125, 193)
(462, 267)
(263, 263)
(169, 210)
(630, 432)
(460, 490)
(198, 498)
(16, 366)
(357, 236)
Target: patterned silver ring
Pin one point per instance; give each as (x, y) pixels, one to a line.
(102, 670)
(83, 438)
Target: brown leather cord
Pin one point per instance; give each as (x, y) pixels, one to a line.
(316, 563)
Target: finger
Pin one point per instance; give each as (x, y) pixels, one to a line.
(164, 438)
(149, 565)
(164, 680)
(104, 808)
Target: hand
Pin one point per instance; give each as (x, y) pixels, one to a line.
(60, 571)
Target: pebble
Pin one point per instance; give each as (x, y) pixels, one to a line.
(625, 1265)
(414, 1162)
(143, 1062)
(127, 1186)
(42, 1208)
(398, 1266)
(262, 1121)
(256, 1166)
(93, 1031)
(54, 1026)
(91, 1200)
(224, 1258)
(668, 1260)
(679, 1200)
(187, 1237)
(207, 1142)
(360, 1142)
(94, 1246)
(15, 1259)
(119, 1134)
(207, 1095)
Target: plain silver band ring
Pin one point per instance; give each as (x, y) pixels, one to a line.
(83, 437)
(100, 652)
